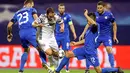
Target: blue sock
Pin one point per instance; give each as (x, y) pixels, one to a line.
(87, 64)
(23, 60)
(111, 59)
(42, 56)
(62, 63)
(67, 66)
(107, 70)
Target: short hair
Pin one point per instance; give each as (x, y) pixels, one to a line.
(49, 10)
(27, 1)
(61, 4)
(101, 3)
(92, 15)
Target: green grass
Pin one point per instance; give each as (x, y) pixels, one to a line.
(44, 71)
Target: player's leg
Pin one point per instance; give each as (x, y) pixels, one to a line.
(87, 66)
(95, 62)
(66, 47)
(108, 44)
(112, 70)
(75, 53)
(34, 43)
(53, 60)
(88, 63)
(25, 45)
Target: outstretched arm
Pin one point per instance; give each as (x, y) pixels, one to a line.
(9, 31)
(90, 20)
(83, 33)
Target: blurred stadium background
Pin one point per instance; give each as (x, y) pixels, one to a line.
(10, 53)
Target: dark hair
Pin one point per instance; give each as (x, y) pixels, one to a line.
(61, 4)
(101, 3)
(28, 1)
(92, 15)
(49, 10)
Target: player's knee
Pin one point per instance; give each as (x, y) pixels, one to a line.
(69, 54)
(49, 52)
(109, 50)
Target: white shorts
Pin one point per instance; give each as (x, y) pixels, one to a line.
(47, 43)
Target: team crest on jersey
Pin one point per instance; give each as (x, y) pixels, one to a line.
(97, 17)
(106, 17)
(64, 18)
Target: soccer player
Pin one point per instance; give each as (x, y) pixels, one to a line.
(89, 50)
(25, 16)
(106, 20)
(107, 7)
(62, 38)
(45, 35)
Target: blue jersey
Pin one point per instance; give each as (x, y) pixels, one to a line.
(105, 19)
(24, 17)
(89, 51)
(91, 39)
(67, 18)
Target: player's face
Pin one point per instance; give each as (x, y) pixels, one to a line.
(108, 6)
(61, 9)
(100, 8)
(51, 15)
(32, 4)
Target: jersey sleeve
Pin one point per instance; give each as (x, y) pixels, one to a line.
(40, 19)
(34, 11)
(70, 20)
(59, 20)
(14, 19)
(112, 18)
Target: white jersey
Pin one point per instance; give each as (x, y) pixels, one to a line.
(47, 30)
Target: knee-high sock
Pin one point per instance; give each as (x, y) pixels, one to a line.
(87, 64)
(67, 66)
(42, 56)
(23, 61)
(111, 59)
(62, 64)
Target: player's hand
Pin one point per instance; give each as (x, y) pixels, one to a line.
(75, 36)
(9, 37)
(61, 29)
(40, 25)
(86, 12)
(72, 43)
(115, 40)
(81, 37)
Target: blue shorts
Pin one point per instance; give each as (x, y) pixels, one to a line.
(64, 42)
(106, 40)
(81, 54)
(28, 38)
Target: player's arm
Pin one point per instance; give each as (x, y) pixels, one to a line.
(34, 13)
(37, 22)
(62, 27)
(115, 32)
(9, 30)
(61, 22)
(91, 21)
(72, 29)
(83, 33)
(112, 19)
(77, 43)
(35, 16)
